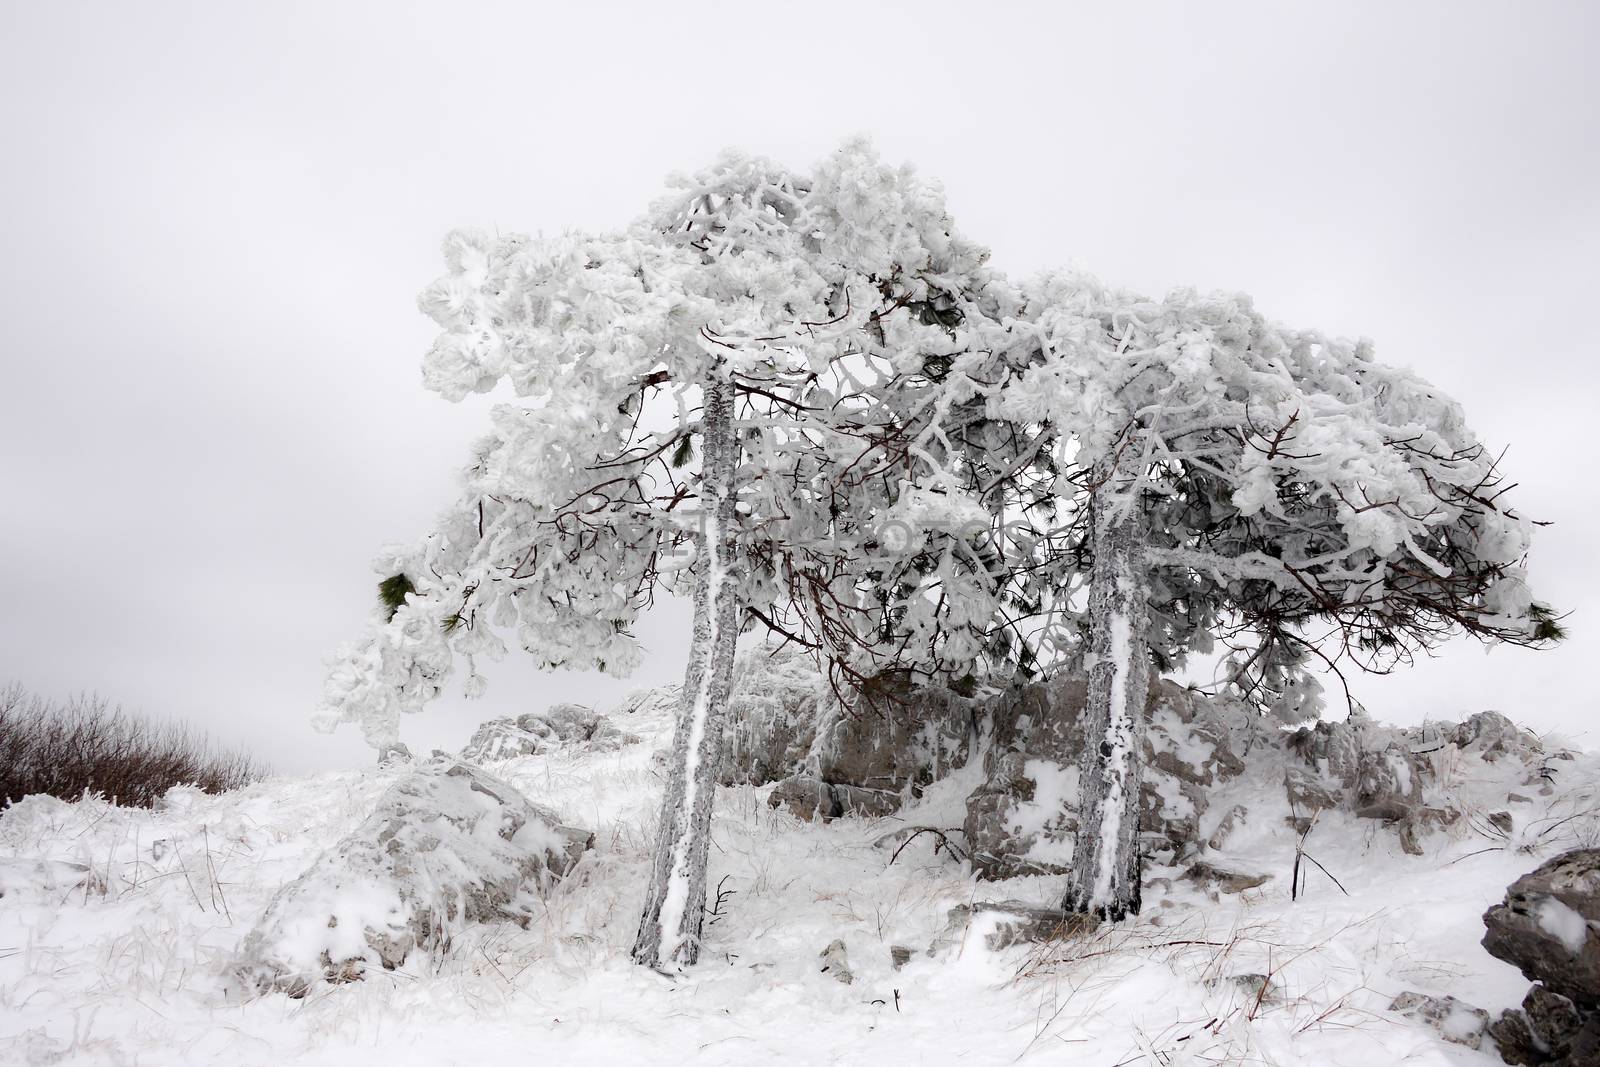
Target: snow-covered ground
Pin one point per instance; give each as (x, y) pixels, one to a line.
(127, 967)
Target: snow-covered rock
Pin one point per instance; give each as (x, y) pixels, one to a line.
(998, 925)
(1546, 1029)
(1457, 1023)
(448, 845)
(1549, 926)
(528, 735)
(1022, 819)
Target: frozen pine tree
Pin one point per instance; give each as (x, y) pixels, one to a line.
(824, 342)
(1212, 476)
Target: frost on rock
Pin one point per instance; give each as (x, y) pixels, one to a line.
(448, 845)
(778, 701)
(1458, 1023)
(527, 735)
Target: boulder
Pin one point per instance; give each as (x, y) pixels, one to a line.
(895, 737)
(1390, 784)
(1549, 926)
(807, 798)
(499, 739)
(812, 799)
(1545, 1030)
(1417, 824)
(394, 752)
(836, 963)
(535, 732)
(1023, 817)
(1492, 736)
(1456, 1021)
(1236, 816)
(448, 845)
(1009, 922)
(1332, 750)
(1218, 879)
(777, 703)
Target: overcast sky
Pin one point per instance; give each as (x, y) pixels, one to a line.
(217, 217)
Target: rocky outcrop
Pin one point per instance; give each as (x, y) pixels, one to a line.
(1389, 786)
(530, 734)
(448, 845)
(775, 708)
(1492, 736)
(1023, 818)
(1549, 927)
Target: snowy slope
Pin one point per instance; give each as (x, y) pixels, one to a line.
(127, 967)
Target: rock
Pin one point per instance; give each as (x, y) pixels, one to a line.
(835, 962)
(448, 845)
(1195, 750)
(810, 799)
(1220, 879)
(662, 700)
(535, 732)
(499, 739)
(1010, 922)
(1514, 1040)
(1456, 1022)
(899, 956)
(1260, 988)
(1501, 821)
(571, 722)
(1169, 813)
(867, 803)
(1415, 825)
(394, 753)
(1333, 751)
(895, 737)
(1309, 792)
(1518, 798)
(1553, 1018)
(1492, 736)
(1390, 785)
(1023, 818)
(1549, 926)
(1226, 826)
(778, 701)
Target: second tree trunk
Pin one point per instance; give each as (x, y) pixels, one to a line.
(674, 911)
(1105, 863)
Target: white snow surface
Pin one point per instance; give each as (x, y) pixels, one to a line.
(117, 924)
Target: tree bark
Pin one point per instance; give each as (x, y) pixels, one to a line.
(1106, 862)
(674, 910)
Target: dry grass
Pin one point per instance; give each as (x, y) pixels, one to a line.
(86, 744)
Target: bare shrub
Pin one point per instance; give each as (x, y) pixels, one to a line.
(65, 748)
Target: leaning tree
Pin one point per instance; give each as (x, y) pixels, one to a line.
(1214, 476)
(733, 396)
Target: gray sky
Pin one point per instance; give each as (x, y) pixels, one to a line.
(217, 216)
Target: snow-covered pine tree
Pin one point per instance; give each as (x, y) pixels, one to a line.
(1227, 478)
(827, 339)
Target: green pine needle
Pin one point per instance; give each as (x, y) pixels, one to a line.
(392, 592)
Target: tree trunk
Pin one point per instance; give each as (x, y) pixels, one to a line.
(674, 910)
(1106, 862)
